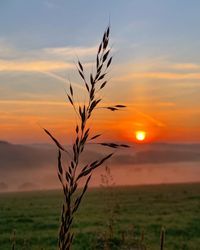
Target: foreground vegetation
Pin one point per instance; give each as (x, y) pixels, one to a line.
(70, 177)
(133, 210)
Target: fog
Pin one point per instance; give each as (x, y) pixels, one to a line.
(29, 167)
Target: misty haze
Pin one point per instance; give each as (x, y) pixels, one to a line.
(156, 163)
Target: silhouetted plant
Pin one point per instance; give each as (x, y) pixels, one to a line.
(111, 206)
(13, 240)
(162, 239)
(70, 178)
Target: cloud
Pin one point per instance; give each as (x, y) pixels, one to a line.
(33, 66)
(185, 66)
(41, 60)
(28, 102)
(156, 104)
(62, 79)
(71, 52)
(151, 119)
(160, 75)
(158, 68)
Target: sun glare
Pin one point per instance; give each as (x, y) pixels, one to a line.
(140, 135)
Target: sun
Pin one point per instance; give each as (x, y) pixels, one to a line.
(140, 135)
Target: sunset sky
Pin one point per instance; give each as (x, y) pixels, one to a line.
(155, 71)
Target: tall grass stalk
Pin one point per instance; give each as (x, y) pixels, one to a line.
(13, 240)
(71, 176)
(162, 239)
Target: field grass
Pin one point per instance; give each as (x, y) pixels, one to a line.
(35, 217)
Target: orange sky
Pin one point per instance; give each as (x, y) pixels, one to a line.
(155, 69)
(165, 107)
(155, 72)
(22, 121)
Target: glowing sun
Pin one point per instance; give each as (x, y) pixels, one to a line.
(140, 135)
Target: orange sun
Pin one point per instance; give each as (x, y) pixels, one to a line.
(140, 135)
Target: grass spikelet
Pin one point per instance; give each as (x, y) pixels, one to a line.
(70, 178)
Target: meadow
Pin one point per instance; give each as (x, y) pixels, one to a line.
(135, 211)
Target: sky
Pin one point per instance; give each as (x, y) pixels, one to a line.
(155, 70)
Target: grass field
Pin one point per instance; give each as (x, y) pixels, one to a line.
(35, 217)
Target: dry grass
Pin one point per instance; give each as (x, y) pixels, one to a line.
(13, 240)
(70, 178)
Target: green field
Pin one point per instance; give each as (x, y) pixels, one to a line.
(35, 217)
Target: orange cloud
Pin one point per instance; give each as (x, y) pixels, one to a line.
(160, 75)
(151, 119)
(186, 66)
(33, 66)
(71, 51)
